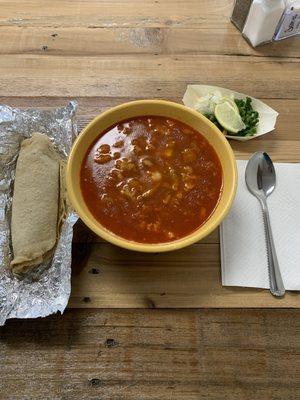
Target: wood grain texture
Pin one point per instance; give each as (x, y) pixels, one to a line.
(125, 13)
(152, 355)
(105, 52)
(145, 76)
(93, 41)
(105, 276)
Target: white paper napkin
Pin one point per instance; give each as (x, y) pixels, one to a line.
(243, 246)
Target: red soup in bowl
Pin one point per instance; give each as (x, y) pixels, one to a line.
(151, 179)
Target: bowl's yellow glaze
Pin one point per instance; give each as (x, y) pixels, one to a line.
(166, 109)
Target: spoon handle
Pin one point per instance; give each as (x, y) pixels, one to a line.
(276, 285)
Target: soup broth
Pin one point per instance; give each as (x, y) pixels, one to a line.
(151, 179)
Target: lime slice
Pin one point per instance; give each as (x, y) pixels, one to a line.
(229, 117)
(230, 101)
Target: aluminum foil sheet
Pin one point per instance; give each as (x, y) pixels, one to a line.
(47, 290)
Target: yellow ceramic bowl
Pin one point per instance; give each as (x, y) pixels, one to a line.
(166, 109)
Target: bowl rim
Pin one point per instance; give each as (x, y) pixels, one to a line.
(111, 237)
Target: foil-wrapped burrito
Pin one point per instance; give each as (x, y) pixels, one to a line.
(36, 226)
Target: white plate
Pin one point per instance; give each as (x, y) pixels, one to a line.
(267, 116)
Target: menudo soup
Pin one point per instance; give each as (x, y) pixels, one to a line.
(151, 179)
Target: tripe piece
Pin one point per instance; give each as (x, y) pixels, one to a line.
(35, 207)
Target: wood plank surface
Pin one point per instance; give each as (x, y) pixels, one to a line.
(103, 53)
(105, 276)
(145, 76)
(122, 27)
(152, 354)
(120, 40)
(109, 277)
(125, 13)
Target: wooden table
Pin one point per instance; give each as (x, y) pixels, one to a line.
(103, 53)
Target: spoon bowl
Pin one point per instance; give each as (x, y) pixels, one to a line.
(260, 175)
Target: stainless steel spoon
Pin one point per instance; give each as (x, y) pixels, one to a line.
(261, 181)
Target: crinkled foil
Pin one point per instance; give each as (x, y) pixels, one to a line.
(49, 291)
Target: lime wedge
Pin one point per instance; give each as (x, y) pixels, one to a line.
(229, 117)
(230, 101)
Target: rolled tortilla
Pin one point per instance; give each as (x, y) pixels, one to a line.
(35, 207)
